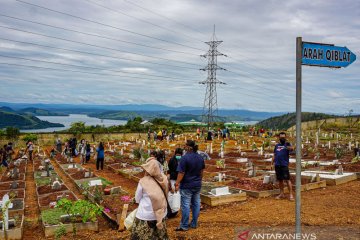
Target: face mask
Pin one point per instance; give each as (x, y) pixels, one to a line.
(178, 157)
(282, 140)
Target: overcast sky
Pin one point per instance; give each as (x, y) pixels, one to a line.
(138, 51)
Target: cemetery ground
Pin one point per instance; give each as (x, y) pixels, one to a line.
(325, 203)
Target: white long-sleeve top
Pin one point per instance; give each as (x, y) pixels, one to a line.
(145, 210)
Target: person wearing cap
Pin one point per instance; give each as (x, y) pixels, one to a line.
(149, 220)
(190, 172)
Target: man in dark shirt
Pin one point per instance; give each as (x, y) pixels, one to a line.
(189, 179)
(281, 159)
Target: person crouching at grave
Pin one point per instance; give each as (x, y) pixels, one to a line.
(100, 156)
(190, 172)
(281, 159)
(151, 195)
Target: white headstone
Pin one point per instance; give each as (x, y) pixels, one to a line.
(95, 182)
(266, 179)
(5, 210)
(220, 191)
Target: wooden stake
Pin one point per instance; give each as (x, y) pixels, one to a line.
(121, 218)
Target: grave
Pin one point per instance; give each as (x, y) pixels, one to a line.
(225, 195)
(330, 177)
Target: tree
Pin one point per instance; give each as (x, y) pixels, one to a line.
(77, 128)
(12, 133)
(30, 137)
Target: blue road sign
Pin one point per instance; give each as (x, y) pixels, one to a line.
(326, 55)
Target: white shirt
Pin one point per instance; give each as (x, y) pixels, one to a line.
(145, 210)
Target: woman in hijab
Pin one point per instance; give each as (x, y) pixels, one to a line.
(149, 222)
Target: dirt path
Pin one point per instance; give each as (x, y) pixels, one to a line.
(32, 226)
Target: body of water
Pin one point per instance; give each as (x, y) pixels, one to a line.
(67, 120)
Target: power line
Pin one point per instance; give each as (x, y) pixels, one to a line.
(75, 71)
(139, 19)
(96, 35)
(97, 54)
(169, 19)
(93, 45)
(92, 68)
(107, 25)
(153, 12)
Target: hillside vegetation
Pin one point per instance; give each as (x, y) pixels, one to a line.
(10, 118)
(288, 120)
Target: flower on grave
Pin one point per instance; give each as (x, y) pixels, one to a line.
(125, 198)
(107, 210)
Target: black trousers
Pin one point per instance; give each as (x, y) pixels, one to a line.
(99, 163)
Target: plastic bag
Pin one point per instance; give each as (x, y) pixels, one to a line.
(174, 201)
(129, 220)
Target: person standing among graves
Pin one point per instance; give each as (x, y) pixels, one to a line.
(88, 152)
(30, 149)
(151, 195)
(58, 145)
(190, 172)
(155, 135)
(3, 156)
(172, 172)
(149, 134)
(82, 151)
(281, 160)
(100, 156)
(9, 152)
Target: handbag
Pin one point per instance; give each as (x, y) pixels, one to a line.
(129, 220)
(170, 213)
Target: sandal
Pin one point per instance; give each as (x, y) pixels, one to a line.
(179, 229)
(279, 197)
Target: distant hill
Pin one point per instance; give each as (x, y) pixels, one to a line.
(11, 118)
(288, 120)
(146, 111)
(39, 112)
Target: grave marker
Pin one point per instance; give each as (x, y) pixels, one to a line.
(5, 205)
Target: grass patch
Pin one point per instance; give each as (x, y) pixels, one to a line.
(52, 216)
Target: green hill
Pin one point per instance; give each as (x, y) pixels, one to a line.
(12, 119)
(288, 120)
(39, 112)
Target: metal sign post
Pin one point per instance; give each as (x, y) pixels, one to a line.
(298, 136)
(320, 55)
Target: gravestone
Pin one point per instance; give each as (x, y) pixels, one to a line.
(15, 173)
(341, 170)
(56, 185)
(5, 210)
(220, 191)
(14, 185)
(115, 190)
(47, 163)
(266, 179)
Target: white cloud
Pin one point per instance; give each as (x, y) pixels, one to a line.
(259, 38)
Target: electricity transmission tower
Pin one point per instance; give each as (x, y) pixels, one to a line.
(210, 111)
